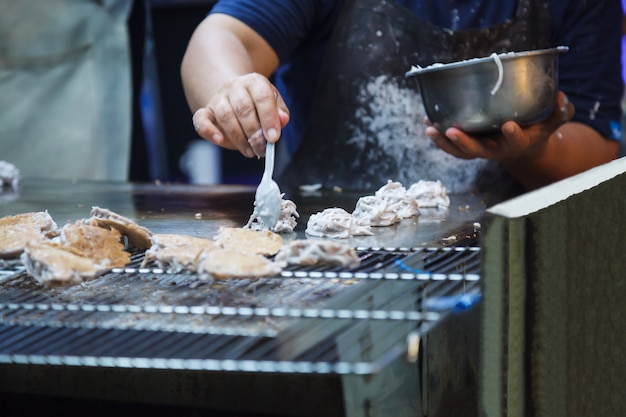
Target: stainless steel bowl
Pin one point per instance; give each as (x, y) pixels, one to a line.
(480, 94)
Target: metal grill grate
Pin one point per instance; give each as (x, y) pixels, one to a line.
(307, 320)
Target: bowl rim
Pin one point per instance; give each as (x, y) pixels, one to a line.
(416, 70)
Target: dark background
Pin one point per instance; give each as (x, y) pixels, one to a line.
(159, 33)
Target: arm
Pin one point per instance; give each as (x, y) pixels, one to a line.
(573, 148)
(224, 73)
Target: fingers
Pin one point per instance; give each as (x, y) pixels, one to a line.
(451, 142)
(515, 140)
(512, 141)
(563, 112)
(519, 140)
(242, 109)
(206, 129)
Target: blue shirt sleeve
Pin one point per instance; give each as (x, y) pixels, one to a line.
(290, 27)
(590, 73)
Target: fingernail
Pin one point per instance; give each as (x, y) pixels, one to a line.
(509, 129)
(564, 104)
(250, 153)
(282, 112)
(217, 138)
(272, 135)
(453, 138)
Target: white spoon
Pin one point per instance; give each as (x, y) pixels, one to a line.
(267, 198)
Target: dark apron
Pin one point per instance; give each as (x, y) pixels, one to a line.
(366, 121)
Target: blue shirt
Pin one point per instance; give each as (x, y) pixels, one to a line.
(590, 73)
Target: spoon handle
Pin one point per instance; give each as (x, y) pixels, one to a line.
(269, 160)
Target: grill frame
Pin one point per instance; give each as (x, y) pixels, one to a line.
(405, 274)
(200, 211)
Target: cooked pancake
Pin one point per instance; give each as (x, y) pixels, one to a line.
(176, 253)
(260, 242)
(56, 265)
(38, 220)
(17, 230)
(229, 263)
(138, 236)
(104, 247)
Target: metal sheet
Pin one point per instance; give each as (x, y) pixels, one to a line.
(200, 210)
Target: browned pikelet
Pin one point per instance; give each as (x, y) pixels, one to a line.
(56, 265)
(104, 247)
(37, 220)
(177, 253)
(138, 236)
(17, 230)
(229, 263)
(162, 240)
(260, 242)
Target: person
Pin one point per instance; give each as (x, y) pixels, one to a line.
(65, 82)
(328, 79)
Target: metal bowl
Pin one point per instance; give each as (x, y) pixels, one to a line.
(479, 95)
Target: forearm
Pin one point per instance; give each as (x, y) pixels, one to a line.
(572, 149)
(220, 50)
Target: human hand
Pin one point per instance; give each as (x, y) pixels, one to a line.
(240, 108)
(512, 143)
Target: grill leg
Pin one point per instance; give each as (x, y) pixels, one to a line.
(395, 390)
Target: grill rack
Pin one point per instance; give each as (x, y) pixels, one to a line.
(349, 329)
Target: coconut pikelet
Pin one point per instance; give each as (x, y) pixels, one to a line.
(17, 230)
(138, 236)
(176, 253)
(37, 220)
(231, 263)
(104, 247)
(260, 242)
(57, 265)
